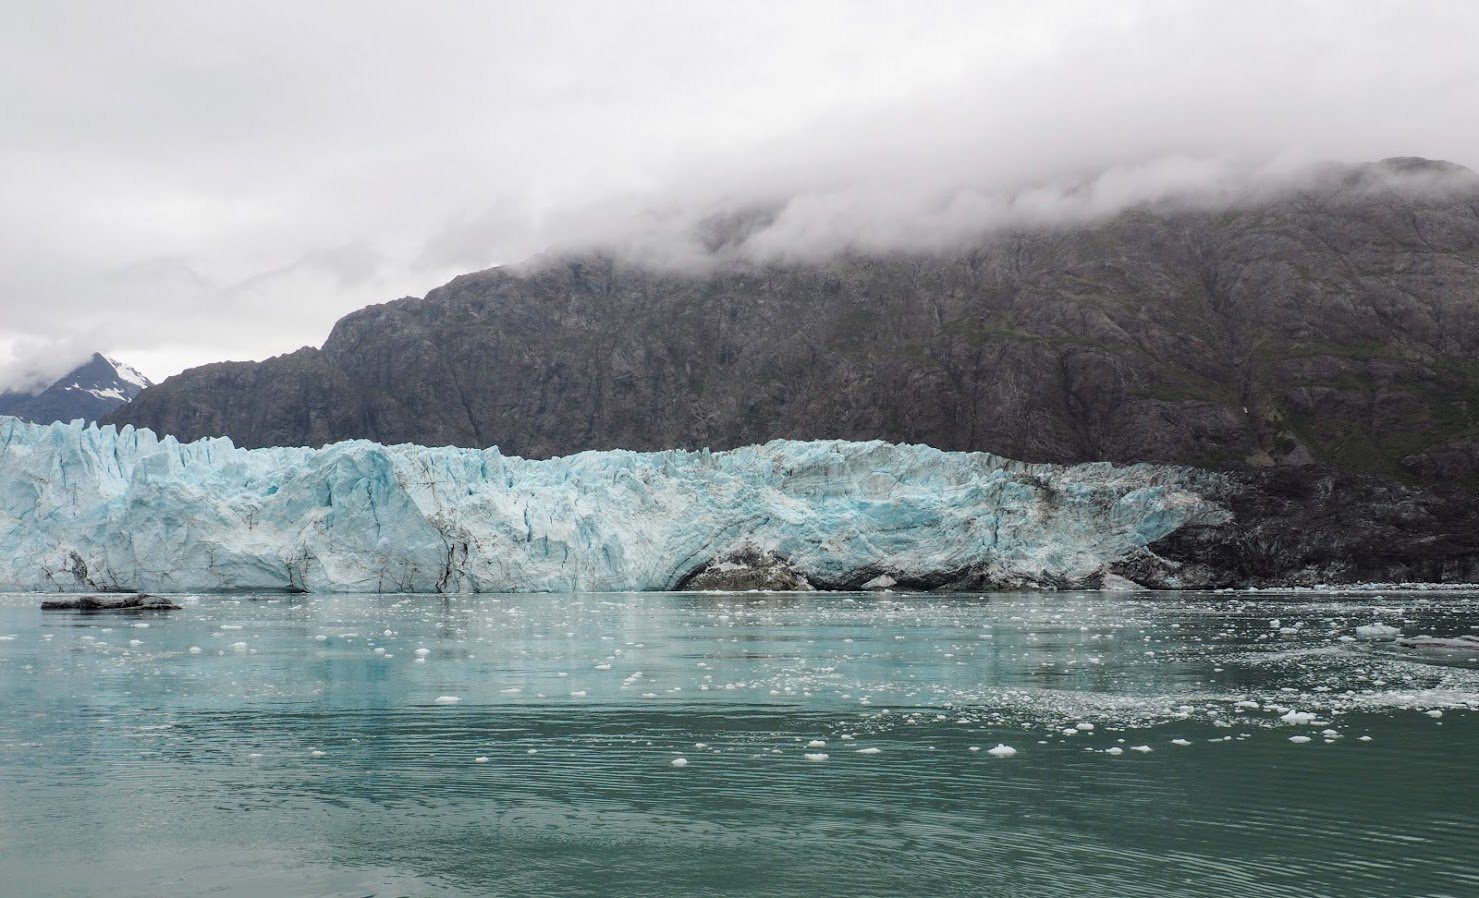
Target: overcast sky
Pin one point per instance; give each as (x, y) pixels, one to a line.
(186, 182)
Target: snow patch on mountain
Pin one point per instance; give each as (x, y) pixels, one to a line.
(129, 374)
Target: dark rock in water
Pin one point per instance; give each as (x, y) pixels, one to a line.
(748, 568)
(137, 602)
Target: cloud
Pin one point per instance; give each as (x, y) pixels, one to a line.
(188, 182)
(29, 366)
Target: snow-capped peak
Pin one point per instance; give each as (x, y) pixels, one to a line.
(89, 392)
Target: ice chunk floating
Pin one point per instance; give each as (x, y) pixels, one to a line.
(87, 508)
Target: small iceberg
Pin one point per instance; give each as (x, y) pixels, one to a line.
(1451, 643)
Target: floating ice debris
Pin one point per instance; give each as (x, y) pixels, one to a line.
(816, 756)
(868, 751)
(1464, 643)
(679, 762)
(817, 743)
(1180, 741)
(315, 753)
(1435, 713)
(1083, 726)
(422, 653)
(447, 699)
(141, 626)
(1298, 717)
(1114, 750)
(974, 748)
(321, 638)
(512, 690)
(136, 642)
(1001, 751)
(239, 646)
(1363, 739)
(578, 693)
(1140, 748)
(480, 759)
(1377, 631)
(1299, 740)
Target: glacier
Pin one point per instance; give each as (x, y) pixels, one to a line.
(87, 508)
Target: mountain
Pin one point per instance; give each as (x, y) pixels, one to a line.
(90, 391)
(1337, 323)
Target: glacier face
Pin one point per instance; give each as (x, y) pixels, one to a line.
(88, 508)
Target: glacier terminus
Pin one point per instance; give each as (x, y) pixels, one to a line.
(84, 508)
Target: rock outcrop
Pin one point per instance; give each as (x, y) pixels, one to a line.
(745, 569)
(1303, 527)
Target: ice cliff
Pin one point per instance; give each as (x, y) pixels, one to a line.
(87, 508)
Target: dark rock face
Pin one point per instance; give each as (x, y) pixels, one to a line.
(1303, 527)
(139, 602)
(89, 392)
(1336, 325)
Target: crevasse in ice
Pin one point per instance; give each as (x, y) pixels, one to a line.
(88, 508)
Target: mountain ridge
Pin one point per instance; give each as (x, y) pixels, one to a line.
(1335, 324)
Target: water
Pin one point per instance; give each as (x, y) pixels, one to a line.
(303, 751)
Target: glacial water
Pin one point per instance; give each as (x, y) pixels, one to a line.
(753, 744)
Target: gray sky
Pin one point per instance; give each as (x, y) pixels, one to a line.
(186, 182)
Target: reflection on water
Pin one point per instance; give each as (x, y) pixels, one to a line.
(523, 745)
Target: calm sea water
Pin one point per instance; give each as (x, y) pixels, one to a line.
(525, 745)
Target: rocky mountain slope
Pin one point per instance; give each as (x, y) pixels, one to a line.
(89, 391)
(1338, 323)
